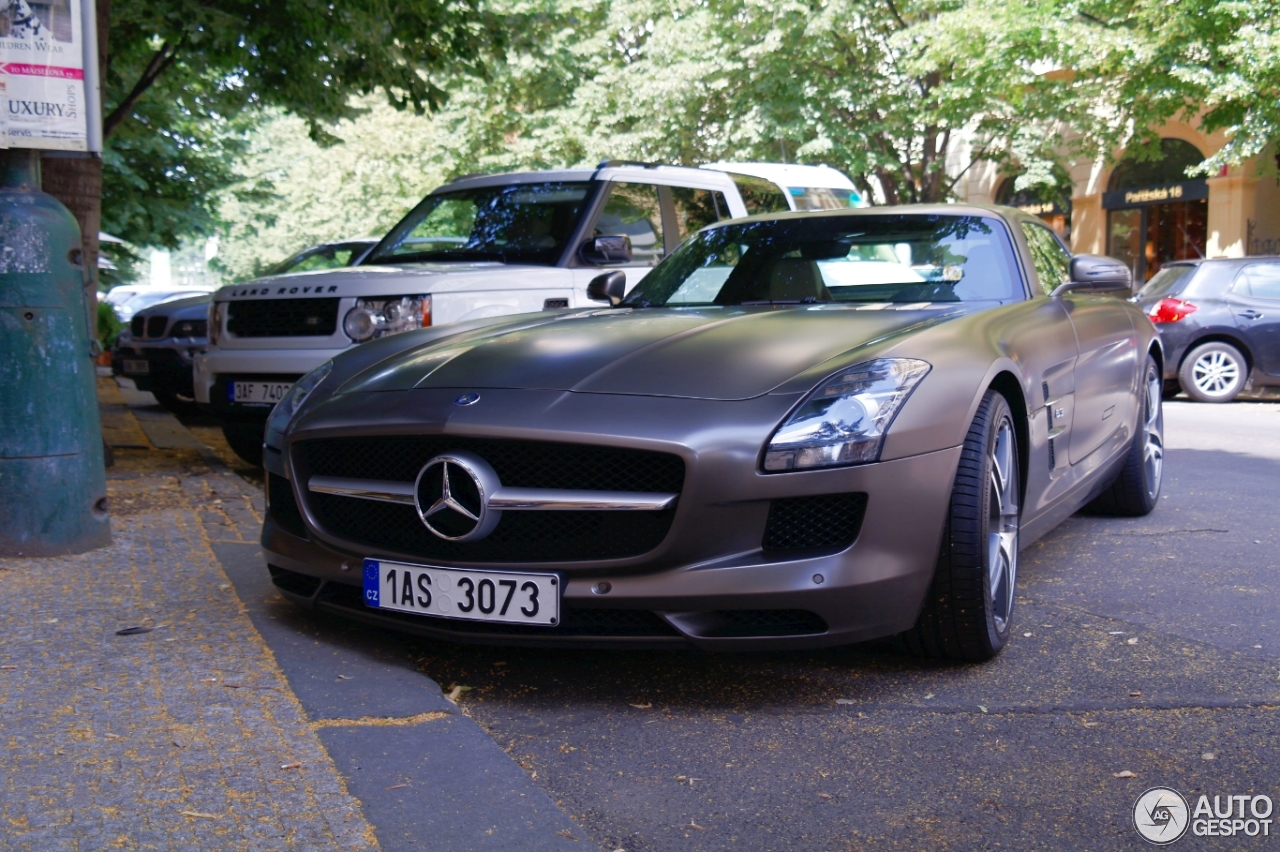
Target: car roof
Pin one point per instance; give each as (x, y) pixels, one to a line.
(789, 174)
(1008, 214)
(608, 170)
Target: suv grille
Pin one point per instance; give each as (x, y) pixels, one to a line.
(283, 318)
(156, 326)
(803, 523)
(519, 536)
(137, 327)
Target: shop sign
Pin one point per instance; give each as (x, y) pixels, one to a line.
(1187, 190)
(42, 76)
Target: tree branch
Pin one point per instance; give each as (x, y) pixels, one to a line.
(893, 10)
(160, 62)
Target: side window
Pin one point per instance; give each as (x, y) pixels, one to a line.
(1259, 280)
(1053, 264)
(697, 208)
(633, 209)
(760, 195)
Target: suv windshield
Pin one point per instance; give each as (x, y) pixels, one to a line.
(519, 223)
(891, 258)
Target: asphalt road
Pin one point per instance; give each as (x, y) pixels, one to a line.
(1148, 646)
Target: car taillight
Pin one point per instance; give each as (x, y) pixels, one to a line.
(1170, 310)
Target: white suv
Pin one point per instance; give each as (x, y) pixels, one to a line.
(478, 247)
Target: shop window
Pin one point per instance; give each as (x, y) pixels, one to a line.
(1155, 212)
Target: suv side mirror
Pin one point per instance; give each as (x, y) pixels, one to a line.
(1096, 274)
(608, 249)
(611, 286)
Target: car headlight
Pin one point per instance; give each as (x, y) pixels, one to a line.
(215, 322)
(845, 419)
(374, 318)
(292, 401)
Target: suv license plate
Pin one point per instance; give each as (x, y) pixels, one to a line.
(131, 366)
(502, 596)
(261, 392)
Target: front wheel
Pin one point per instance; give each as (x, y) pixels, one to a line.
(968, 610)
(1136, 488)
(1214, 372)
(246, 440)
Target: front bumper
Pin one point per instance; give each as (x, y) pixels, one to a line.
(710, 579)
(169, 368)
(291, 363)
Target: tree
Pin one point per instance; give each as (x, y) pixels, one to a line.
(178, 75)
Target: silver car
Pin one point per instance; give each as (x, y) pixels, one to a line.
(799, 430)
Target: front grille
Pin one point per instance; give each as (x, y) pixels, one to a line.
(520, 536)
(805, 523)
(283, 506)
(156, 325)
(137, 327)
(574, 622)
(283, 318)
(766, 622)
(519, 464)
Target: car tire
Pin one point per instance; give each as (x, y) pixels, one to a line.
(176, 403)
(1214, 372)
(246, 440)
(967, 611)
(1136, 489)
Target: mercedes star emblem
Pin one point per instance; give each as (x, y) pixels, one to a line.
(452, 496)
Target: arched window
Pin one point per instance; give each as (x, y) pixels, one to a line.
(1176, 156)
(1052, 203)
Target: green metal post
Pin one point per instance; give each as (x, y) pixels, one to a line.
(53, 490)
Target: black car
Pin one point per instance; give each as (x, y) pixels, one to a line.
(157, 348)
(1219, 321)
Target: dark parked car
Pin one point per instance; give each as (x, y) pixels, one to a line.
(1219, 322)
(157, 349)
(798, 430)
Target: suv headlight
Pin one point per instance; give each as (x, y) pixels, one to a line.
(845, 419)
(215, 322)
(374, 318)
(292, 401)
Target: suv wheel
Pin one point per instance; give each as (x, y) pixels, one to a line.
(1213, 372)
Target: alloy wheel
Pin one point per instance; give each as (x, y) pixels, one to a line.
(1215, 373)
(1002, 525)
(1153, 433)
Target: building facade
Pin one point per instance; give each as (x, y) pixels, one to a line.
(1148, 212)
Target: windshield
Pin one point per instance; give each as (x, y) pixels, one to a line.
(519, 223)
(865, 259)
(325, 256)
(1165, 281)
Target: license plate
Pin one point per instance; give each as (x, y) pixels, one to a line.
(267, 392)
(131, 366)
(502, 596)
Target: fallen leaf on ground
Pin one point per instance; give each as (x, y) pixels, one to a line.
(51, 621)
(199, 815)
(8, 668)
(397, 786)
(134, 631)
(1135, 694)
(693, 824)
(1132, 640)
(643, 706)
(1116, 632)
(1091, 724)
(344, 677)
(291, 766)
(455, 692)
(224, 587)
(982, 708)
(1026, 635)
(845, 701)
(824, 795)
(1124, 773)
(566, 748)
(564, 832)
(208, 680)
(1208, 755)
(113, 736)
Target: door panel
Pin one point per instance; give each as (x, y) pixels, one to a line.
(1254, 302)
(1106, 372)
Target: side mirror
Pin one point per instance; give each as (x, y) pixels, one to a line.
(611, 286)
(1096, 274)
(608, 249)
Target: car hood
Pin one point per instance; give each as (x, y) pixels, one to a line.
(380, 280)
(725, 354)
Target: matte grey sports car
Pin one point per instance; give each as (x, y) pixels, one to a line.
(798, 430)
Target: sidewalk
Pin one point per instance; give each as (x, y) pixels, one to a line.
(227, 719)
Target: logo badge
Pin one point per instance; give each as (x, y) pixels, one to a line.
(467, 399)
(1161, 815)
(452, 497)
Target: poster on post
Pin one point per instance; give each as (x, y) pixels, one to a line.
(42, 85)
